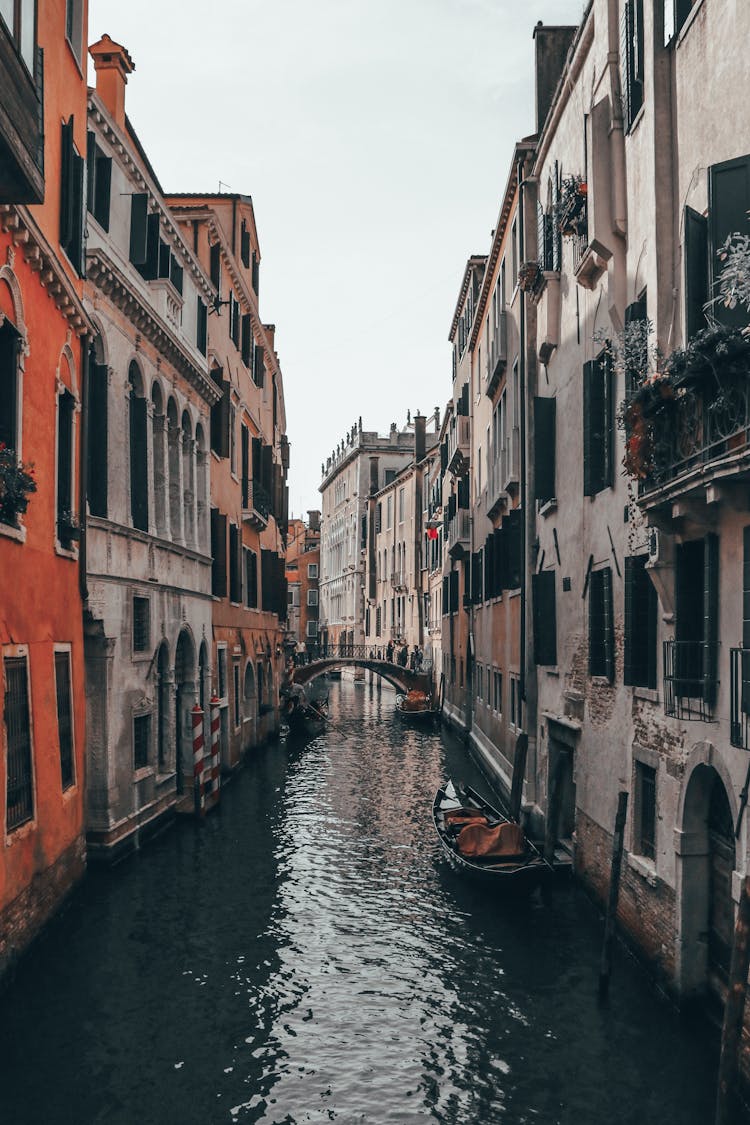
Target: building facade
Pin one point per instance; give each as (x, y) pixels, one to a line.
(148, 614)
(44, 347)
(303, 584)
(249, 460)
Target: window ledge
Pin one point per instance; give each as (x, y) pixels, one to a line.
(601, 681)
(514, 593)
(646, 868)
(66, 552)
(552, 671)
(141, 657)
(649, 694)
(17, 534)
(548, 507)
(144, 771)
(637, 120)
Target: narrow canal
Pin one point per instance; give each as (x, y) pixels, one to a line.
(306, 956)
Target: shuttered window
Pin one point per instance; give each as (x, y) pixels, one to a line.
(138, 227)
(141, 741)
(20, 783)
(220, 418)
(545, 618)
(65, 411)
(601, 625)
(728, 205)
(99, 182)
(245, 465)
(544, 448)
(641, 609)
(454, 591)
(9, 346)
(512, 550)
(141, 624)
(251, 579)
(446, 596)
(235, 564)
(201, 333)
(598, 425)
(696, 271)
(138, 462)
(247, 340)
(72, 202)
(256, 275)
(218, 553)
(214, 267)
(98, 459)
(476, 578)
(675, 14)
(632, 59)
(258, 366)
(245, 245)
(645, 810)
(63, 697)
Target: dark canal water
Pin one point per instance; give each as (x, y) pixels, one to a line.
(307, 957)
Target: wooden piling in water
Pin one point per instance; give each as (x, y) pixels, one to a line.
(618, 841)
(728, 1110)
(519, 774)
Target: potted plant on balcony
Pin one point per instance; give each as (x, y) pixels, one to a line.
(572, 207)
(16, 485)
(68, 528)
(650, 406)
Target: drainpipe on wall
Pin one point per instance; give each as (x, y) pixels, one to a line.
(83, 466)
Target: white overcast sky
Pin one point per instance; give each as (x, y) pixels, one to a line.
(375, 138)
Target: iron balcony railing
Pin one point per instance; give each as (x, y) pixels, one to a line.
(690, 679)
(398, 580)
(459, 529)
(255, 501)
(739, 671)
(704, 424)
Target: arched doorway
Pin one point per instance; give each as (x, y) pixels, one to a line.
(706, 861)
(185, 697)
(250, 707)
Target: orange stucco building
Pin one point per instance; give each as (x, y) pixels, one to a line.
(303, 577)
(44, 336)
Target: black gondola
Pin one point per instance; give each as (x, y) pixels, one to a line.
(424, 715)
(522, 869)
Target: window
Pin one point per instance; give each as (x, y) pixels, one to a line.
(258, 366)
(675, 14)
(247, 340)
(221, 415)
(497, 678)
(245, 245)
(312, 597)
(141, 624)
(72, 200)
(644, 842)
(20, 17)
(728, 205)
(138, 452)
(598, 425)
(214, 267)
(218, 553)
(514, 253)
(221, 655)
(236, 684)
(515, 701)
(73, 25)
(64, 717)
(545, 620)
(141, 741)
(312, 629)
(251, 579)
(632, 58)
(20, 783)
(389, 512)
(234, 319)
(696, 271)
(233, 439)
(9, 386)
(544, 448)
(98, 460)
(691, 669)
(401, 500)
(641, 607)
(601, 625)
(312, 570)
(235, 564)
(480, 681)
(201, 336)
(99, 182)
(65, 517)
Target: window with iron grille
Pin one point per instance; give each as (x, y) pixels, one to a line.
(632, 58)
(601, 625)
(645, 811)
(141, 741)
(141, 624)
(64, 717)
(641, 612)
(598, 425)
(20, 784)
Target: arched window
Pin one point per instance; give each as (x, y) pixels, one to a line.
(157, 443)
(201, 487)
(249, 691)
(173, 448)
(98, 461)
(138, 450)
(188, 482)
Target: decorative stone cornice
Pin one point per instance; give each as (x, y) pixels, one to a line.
(105, 275)
(39, 256)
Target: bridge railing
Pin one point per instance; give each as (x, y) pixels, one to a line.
(317, 652)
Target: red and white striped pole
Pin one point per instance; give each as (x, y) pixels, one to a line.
(200, 800)
(215, 757)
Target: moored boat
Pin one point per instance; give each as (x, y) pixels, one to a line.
(480, 841)
(417, 708)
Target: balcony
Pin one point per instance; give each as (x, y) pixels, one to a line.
(696, 445)
(510, 456)
(690, 680)
(21, 126)
(498, 355)
(459, 445)
(739, 665)
(459, 534)
(496, 496)
(256, 504)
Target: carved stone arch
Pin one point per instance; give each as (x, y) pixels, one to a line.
(136, 378)
(100, 344)
(67, 359)
(705, 754)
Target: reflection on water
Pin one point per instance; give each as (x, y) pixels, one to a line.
(306, 956)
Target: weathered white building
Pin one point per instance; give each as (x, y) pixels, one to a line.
(148, 613)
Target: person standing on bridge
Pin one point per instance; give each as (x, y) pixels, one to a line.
(389, 652)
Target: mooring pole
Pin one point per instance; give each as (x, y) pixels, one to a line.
(519, 774)
(198, 791)
(618, 841)
(727, 1097)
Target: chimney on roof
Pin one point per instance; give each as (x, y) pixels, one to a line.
(112, 64)
(420, 429)
(313, 519)
(551, 51)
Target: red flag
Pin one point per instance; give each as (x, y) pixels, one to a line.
(432, 533)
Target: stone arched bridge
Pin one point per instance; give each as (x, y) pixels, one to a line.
(328, 658)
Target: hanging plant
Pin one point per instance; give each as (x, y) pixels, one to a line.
(16, 485)
(651, 407)
(716, 353)
(572, 207)
(633, 352)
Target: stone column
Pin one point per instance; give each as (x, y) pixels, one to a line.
(161, 490)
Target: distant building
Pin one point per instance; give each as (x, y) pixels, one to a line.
(303, 581)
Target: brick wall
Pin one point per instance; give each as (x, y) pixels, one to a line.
(645, 912)
(25, 917)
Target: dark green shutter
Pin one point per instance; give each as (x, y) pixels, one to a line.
(607, 376)
(138, 228)
(66, 186)
(446, 596)
(589, 369)
(544, 448)
(64, 454)
(150, 268)
(728, 202)
(214, 267)
(103, 190)
(91, 154)
(630, 658)
(609, 625)
(138, 462)
(201, 332)
(454, 591)
(245, 467)
(710, 616)
(489, 548)
(9, 344)
(218, 553)
(258, 366)
(98, 441)
(544, 618)
(247, 336)
(696, 271)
